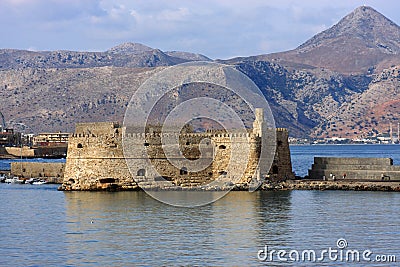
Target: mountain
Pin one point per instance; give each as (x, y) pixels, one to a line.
(132, 55)
(55, 99)
(364, 24)
(130, 48)
(52, 90)
(343, 82)
(316, 88)
(361, 42)
(365, 37)
(188, 56)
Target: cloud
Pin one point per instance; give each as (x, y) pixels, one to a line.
(216, 28)
(45, 10)
(179, 14)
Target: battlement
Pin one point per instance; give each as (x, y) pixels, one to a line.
(117, 132)
(204, 135)
(281, 129)
(96, 128)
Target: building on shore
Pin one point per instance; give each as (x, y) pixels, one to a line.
(51, 139)
(9, 138)
(44, 145)
(96, 158)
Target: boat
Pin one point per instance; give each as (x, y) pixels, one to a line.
(39, 182)
(35, 181)
(14, 180)
(30, 180)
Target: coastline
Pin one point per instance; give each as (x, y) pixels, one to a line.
(288, 185)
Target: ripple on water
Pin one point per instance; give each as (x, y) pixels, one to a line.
(47, 227)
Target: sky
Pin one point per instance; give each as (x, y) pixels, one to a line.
(219, 29)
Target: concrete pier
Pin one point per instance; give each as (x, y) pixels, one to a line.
(373, 169)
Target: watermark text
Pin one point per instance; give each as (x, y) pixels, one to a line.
(340, 253)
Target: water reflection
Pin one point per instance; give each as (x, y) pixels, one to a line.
(133, 227)
(44, 227)
(108, 228)
(274, 218)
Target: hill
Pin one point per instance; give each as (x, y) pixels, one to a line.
(131, 55)
(317, 88)
(362, 42)
(342, 82)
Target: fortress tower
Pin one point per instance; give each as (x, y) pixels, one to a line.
(259, 123)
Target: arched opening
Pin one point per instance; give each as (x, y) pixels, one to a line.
(222, 147)
(146, 144)
(187, 143)
(141, 172)
(280, 143)
(275, 170)
(183, 171)
(79, 145)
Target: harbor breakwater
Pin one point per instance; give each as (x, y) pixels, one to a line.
(51, 172)
(346, 185)
(362, 168)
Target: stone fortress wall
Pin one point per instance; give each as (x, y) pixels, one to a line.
(52, 172)
(95, 158)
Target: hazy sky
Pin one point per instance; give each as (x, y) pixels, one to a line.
(216, 28)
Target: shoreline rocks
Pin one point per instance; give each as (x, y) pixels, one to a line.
(301, 184)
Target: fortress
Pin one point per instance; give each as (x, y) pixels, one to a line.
(96, 158)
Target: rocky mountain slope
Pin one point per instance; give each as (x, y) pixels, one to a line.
(43, 100)
(342, 82)
(322, 87)
(368, 113)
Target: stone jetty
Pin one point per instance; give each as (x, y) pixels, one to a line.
(375, 169)
(348, 185)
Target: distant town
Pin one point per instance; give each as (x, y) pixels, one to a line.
(15, 144)
(378, 139)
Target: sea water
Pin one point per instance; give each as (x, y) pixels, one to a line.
(303, 155)
(41, 226)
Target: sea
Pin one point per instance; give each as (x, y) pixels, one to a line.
(41, 226)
